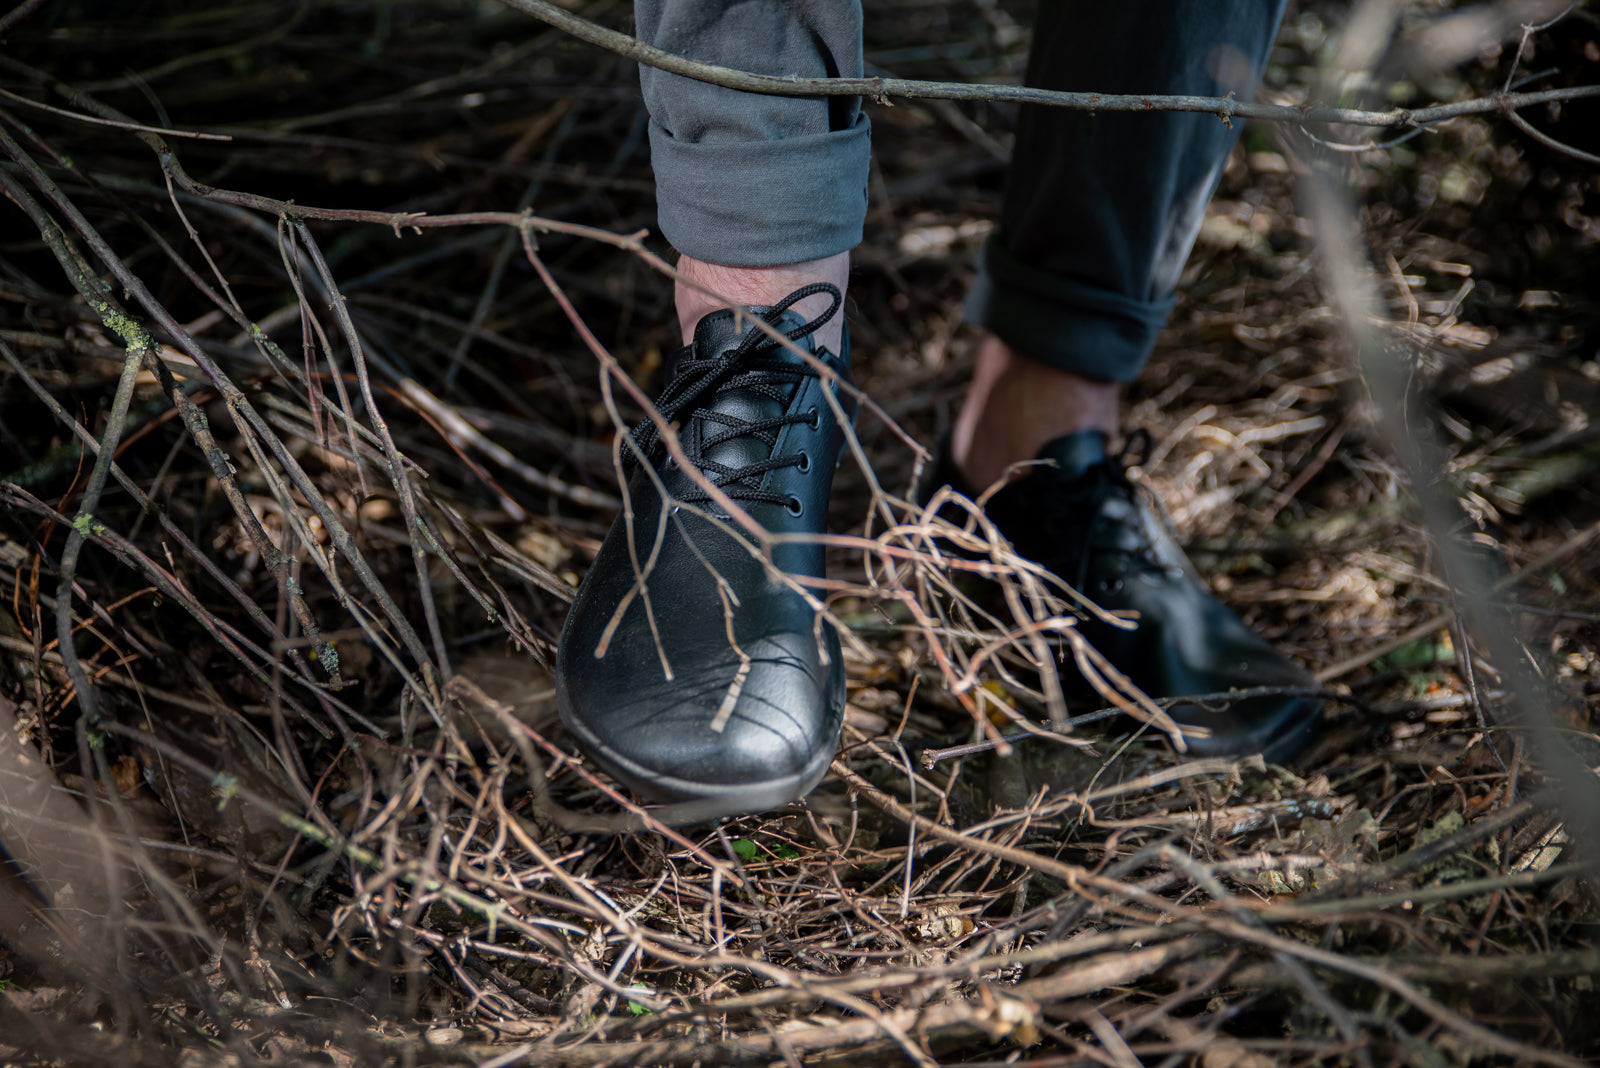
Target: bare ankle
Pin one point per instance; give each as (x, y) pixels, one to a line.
(1015, 405)
(704, 287)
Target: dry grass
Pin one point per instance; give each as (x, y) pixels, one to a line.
(314, 697)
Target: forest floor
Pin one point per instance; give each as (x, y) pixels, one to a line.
(302, 694)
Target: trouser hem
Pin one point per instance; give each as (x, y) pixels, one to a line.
(812, 200)
(1094, 332)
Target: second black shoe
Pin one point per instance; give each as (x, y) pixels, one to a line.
(1077, 513)
(689, 668)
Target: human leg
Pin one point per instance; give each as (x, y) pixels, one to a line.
(1100, 214)
(760, 194)
(744, 179)
(1101, 210)
(1015, 404)
(701, 284)
(689, 668)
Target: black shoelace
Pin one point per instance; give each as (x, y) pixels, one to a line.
(687, 400)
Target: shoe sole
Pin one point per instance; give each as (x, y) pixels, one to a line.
(1295, 732)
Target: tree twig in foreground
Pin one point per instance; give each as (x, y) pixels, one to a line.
(881, 90)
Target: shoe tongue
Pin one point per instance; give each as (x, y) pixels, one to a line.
(722, 330)
(1075, 454)
(715, 335)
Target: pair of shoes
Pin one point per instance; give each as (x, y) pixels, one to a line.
(689, 668)
(1076, 512)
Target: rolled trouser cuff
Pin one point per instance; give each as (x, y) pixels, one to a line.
(812, 198)
(1067, 324)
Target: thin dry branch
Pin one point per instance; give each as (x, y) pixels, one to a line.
(883, 90)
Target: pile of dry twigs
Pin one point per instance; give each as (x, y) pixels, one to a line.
(318, 324)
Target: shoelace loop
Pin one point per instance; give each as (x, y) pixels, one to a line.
(687, 401)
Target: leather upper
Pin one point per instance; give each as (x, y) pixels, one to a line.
(1077, 514)
(673, 707)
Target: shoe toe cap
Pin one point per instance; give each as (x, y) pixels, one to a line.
(1190, 643)
(759, 733)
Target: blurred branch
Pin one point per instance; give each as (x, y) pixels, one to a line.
(1550, 142)
(881, 90)
(165, 131)
(1407, 422)
(63, 855)
(17, 14)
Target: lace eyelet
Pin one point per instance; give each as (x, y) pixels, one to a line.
(815, 418)
(804, 466)
(794, 506)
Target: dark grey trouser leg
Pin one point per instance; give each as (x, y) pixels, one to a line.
(1101, 210)
(749, 180)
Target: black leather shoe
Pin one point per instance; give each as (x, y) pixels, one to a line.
(686, 669)
(1077, 514)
